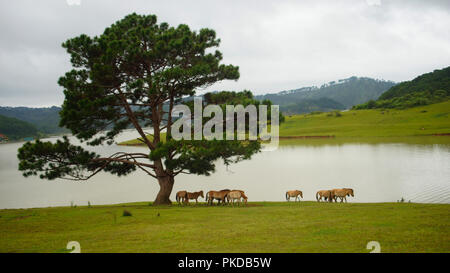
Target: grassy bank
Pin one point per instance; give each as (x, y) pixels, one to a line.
(424, 120)
(260, 227)
(365, 124)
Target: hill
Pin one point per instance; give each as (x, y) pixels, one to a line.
(311, 105)
(426, 89)
(436, 80)
(345, 92)
(16, 129)
(423, 120)
(46, 119)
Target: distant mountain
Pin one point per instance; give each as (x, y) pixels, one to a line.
(15, 129)
(46, 120)
(425, 89)
(344, 92)
(311, 105)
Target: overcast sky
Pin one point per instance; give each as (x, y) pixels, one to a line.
(278, 45)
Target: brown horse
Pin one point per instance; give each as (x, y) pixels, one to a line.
(237, 194)
(193, 195)
(342, 194)
(181, 196)
(294, 193)
(218, 195)
(326, 194)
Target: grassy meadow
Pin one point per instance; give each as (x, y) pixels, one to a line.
(423, 120)
(259, 227)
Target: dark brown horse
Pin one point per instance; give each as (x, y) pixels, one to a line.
(218, 195)
(193, 195)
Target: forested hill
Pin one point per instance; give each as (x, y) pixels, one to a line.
(16, 129)
(429, 88)
(436, 80)
(343, 93)
(45, 119)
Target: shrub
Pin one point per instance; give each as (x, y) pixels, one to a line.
(127, 213)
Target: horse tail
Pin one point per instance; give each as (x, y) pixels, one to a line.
(207, 195)
(317, 196)
(177, 197)
(287, 196)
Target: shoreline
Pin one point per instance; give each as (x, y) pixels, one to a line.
(340, 139)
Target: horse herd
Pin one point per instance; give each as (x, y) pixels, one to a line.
(226, 196)
(327, 195)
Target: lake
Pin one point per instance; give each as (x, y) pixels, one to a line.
(378, 172)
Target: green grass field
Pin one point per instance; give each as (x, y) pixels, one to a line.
(434, 119)
(417, 121)
(259, 227)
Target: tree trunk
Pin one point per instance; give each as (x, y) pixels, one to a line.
(166, 185)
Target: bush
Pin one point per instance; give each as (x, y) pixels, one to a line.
(334, 113)
(127, 213)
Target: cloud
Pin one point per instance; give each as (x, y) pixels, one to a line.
(278, 45)
(373, 2)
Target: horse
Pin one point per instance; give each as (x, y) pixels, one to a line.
(294, 193)
(237, 194)
(181, 196)
(218, 195)
(342, 194)
(244, 197)
(193, 195)
(326, 194)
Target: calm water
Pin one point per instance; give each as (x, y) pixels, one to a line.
(377, 172)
